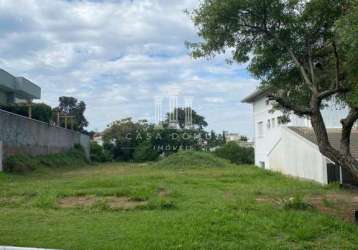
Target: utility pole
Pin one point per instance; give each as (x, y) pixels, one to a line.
(29, 104)
(65, 117)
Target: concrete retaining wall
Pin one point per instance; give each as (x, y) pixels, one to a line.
(20, 135)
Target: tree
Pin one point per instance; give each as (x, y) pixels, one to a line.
(244, 138)
(348, 32)
(236, 154)
(294, 48)
(198, 121)
(123, 137)
(70, 106)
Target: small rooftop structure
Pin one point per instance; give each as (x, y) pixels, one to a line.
(17, 89)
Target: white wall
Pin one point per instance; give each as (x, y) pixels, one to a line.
(271, 136)
(296, 156)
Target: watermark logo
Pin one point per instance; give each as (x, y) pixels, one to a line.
(174, 118)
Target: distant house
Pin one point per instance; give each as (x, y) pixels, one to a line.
(290, 147)
(232, 136)
(98, 138)
(17, 89)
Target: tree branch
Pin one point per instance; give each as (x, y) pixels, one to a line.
(288, 105)
(339, 90)
(313, 77)
(302, 69)
(347, 125)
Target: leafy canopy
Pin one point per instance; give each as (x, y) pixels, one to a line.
(291, 45)
(70, 106)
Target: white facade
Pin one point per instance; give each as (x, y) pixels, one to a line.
(296, 156)
(281, 149)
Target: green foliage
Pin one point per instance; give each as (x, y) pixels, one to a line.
(187, 159)
(40, 111)
(70, 106)
(296, 203)
(145, 152)
(348, 32)
(129, 140)
(214, 140)
(123, 136)
(236, 154)
(290, 45)
(244, 138)
(198, 121)
(99, 154)
(24, 163)
(167, 140)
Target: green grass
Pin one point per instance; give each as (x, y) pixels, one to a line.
(203, 208)
(25, 163)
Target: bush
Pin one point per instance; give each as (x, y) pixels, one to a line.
(25, 163)
(184, 159)
(296, 203)
(236, 154)
(145, 152)
(99, 154)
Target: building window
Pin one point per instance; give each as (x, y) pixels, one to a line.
(262, 164)
(260, 129)
(268, 123)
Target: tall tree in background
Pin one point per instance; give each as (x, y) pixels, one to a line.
(198, 121)
(70, 106)
(297, 49)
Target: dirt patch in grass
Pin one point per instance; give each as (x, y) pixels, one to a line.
(80, 201)
(342, 205)
(338, 204)
(124, 203)
(112, 202)
(163, 192)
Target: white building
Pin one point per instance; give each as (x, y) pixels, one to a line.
(98, 138)
(232, 136)
(290, 147)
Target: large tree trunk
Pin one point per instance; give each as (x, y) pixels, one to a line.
(343, 159)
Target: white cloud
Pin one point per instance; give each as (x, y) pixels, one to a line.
(117, 56)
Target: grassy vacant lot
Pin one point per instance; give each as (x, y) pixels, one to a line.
(166, 206)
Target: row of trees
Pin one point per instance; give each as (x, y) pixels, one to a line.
(127, 140)
(304, 52)
(69, 113)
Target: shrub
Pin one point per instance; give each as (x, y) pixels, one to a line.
(99, 154)
(184, 159)
(296, 203)
(25, 163)
(236, 154)
(145, 152)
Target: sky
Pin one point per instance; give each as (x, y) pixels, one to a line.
(118, 56)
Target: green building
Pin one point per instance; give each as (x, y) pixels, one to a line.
(17, 89)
